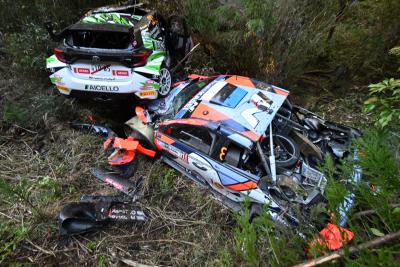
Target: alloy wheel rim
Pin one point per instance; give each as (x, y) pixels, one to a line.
(165, 82)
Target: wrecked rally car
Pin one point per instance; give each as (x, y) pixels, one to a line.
(115, 52)
(241, 138)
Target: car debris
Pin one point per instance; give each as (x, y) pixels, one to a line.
(123, 159)
(333, 237)
(94, 129)
(94, 212)
(242, 138)
(118, 51)
(117, 181)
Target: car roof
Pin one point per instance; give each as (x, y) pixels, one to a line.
(242, 104)
(114, 18)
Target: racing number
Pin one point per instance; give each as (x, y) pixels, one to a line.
(222, 153)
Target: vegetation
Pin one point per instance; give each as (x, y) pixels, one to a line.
(325, 52)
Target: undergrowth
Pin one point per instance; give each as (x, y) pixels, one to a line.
(44, 164)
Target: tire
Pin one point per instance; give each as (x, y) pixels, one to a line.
(165, 82)
(289, 154)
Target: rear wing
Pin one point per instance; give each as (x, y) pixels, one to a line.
(135, 9)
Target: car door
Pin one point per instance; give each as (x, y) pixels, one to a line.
(189, 147)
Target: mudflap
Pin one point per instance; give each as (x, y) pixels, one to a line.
(78, 218)
(93, 212)
(118, 182)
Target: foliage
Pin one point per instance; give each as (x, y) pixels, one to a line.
(384, 102)
(27, 49)
(11, 235)
(298, 44)
(167, 182)
(14, 113)
(26, 42)
(245, 236)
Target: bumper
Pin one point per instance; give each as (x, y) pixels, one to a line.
(138, 85)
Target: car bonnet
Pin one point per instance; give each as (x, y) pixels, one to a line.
(245, 105)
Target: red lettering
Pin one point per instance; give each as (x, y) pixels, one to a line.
(82, 70)
(120, 73)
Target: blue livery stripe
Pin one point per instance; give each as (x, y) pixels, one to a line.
(227, 178)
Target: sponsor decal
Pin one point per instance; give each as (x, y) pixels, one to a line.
(82, 70)
(64, 89)
(57, 79)
(98, 68)
(148, 93)
(113, 183)
(185, 157)
(146, 88)
(101, 88)
(101, 78)
(120, 73)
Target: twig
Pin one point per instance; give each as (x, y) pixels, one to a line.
(135, 263)
(41, 249)
(185, 57)
(339, 254)
(166, 241)
(369, 212)
(29, 131)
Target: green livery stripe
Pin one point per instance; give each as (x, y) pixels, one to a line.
(106, 18)
(156, 55)
(153, 67)
(154, 85)
(51, 59)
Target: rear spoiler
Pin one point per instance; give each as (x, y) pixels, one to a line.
(126, 8)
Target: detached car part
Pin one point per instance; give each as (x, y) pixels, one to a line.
(93, 212)
(117, 181)
(95, 129)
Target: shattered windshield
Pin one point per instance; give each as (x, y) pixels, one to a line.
(184, 96)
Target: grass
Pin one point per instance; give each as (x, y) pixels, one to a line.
(44, 164)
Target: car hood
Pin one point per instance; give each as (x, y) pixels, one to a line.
(244, 106)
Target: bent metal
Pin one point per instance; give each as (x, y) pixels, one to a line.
(101, 88)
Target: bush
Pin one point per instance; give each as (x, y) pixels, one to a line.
(319, 44)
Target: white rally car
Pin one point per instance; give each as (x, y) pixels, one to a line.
(116, 52)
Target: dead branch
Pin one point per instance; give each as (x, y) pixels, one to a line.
(339, 254)
(369, 212)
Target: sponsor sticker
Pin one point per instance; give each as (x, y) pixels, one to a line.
(148, 93)
(63, 89)
(82, 70)
(120, 73)
(103, 88)
(113, 183)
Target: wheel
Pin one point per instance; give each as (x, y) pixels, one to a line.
(165, 82)
(286, 150)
